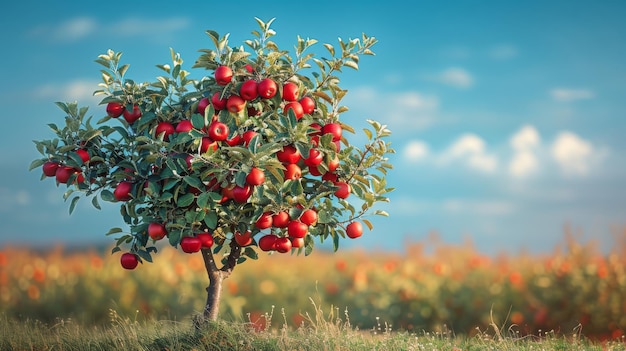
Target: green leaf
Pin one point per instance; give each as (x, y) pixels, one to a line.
(145, 255)
(309, 244)
(351, 64)
(211, 220)
(336, 238)
(115, 249)
(76, 158)
(174, 237)
(197, 121)
(107, 195)
(368, 223)
(185, 200)
(330, 49)
(73, 203)
(95, 203)
(35, 164)
(194, 182)
(203, 200)
(122, 69)
(91, 134)
(114, 231)
(250, 252)
(63, 106)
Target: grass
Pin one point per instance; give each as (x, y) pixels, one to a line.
(319, 331)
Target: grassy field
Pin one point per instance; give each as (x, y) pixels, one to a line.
(433, 296)
(320, 331)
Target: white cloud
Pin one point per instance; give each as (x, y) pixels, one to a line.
(411, 206)
(456, 77)
(467, 144)
(567, 95)
(10, 198)
(140, 26)
(79, 28)
(526, 138)
(482, 207)
(471, 149)
(416, 150)
(523, 164)
(572, 153)
(524, 144)
(402, 111)
(77, 90)
(68, 31)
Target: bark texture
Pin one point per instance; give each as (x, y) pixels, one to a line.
(216, 277)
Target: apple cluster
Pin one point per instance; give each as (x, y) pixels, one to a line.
(239, 109)
(253, 156)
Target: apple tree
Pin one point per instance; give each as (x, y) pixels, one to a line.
(250, 158)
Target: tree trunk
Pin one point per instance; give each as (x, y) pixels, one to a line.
(214, 290)
(216, 277)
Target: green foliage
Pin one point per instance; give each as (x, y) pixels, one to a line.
(183, 179)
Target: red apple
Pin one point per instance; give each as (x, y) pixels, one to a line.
(267, 242)
(255, 177)
(218, 131)
(132, 116)
(315, 158)
(84, 155)
(129, 260)
(164, 128)
(247, 137)
(343, 191)
(295, 107)
(267, 88)
(235, 104)
(290, 91)
(190, 244)
(50, 168)
(330, 177)
(289, 154)
(297, 229)
(280, 219)
(244, 239)
(63, 173)
(202, 105)
(309, 217)
(223, 75)
(184, 126)
(241, 194)
(308, 104)
(333, 164)
(157, 231)
(264, 221)
(334, 129)
(354, 230)
(206, 239)
(292, 171)
(123, 190)
(115, 109)
(235, 140)
(297, 243)
(218, 102)
(282, 244)
(248, 90)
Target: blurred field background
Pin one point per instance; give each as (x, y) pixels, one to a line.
(432, 286)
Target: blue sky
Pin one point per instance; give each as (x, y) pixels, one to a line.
(507, 117)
